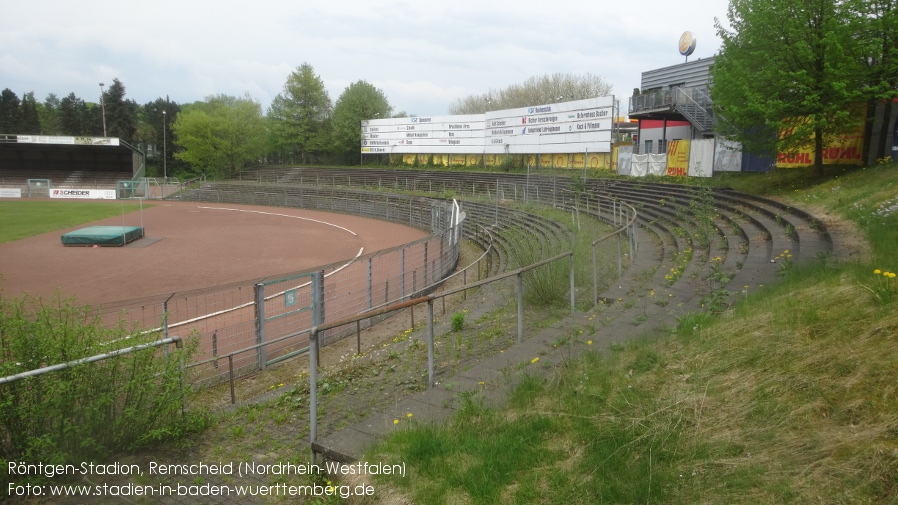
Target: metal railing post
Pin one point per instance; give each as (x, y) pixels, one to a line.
(260, 324)
(620, 271)
(520, 292)
(430, 338)
(313, 390)
(573, 294)
(595, 278)
(231, 377)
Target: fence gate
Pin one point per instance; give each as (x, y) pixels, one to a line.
(285, 309)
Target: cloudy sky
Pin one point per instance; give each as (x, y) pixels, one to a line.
(423, 54)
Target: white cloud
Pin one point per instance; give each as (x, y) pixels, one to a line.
(423, 55)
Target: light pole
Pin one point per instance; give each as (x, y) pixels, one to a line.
(164, 157)
(103, 106)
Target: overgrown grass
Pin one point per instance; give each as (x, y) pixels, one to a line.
(549, 285)
(21, 219)
(788, 398)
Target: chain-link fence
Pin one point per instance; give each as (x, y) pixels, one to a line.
(259, 321)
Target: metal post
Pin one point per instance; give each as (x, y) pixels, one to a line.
(620, 271)
(595, 279)
(313, 389)
(520, 292)
(260, 324)
(231, 377)
(317, 302)
(165, 318)
(358, 337)
(430, 342)
(370, 287)
(572, 283)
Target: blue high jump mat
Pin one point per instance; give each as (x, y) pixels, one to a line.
(115, 236)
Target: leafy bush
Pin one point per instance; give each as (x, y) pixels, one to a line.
(90, 410)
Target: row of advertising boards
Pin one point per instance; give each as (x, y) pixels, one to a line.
(565, 127)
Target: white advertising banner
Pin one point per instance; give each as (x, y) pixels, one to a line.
(701, 158)
(95, 194)
(72, 141)
(10, 193)
(566, 127)
(435, 134)
(727, 156)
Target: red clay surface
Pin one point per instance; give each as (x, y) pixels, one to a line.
(189, 246)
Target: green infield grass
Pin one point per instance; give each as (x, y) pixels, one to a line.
(21, 219)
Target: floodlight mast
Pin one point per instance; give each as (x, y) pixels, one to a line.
(103, 107)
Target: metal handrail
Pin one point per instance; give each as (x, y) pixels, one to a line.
(90, 359)
(429, 299)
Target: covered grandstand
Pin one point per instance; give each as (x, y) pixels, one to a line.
(68, 162)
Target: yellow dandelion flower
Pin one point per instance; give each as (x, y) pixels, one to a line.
(589, 342)
(408, 415)
(891, 275)
(534, 360)
(395, 421)
(877, 272)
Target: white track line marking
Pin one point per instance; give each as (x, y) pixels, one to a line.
(281, 215)
(232, 309)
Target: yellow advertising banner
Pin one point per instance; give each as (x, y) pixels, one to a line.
(457, 159)
(545, 160)
(561, 160)
(678, 158)
(848, 150)
(598, 160)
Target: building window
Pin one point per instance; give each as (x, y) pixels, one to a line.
(648, 147)
(662, 146)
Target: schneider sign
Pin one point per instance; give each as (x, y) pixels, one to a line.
(95, 194)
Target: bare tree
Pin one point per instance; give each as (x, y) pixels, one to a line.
(536, 90)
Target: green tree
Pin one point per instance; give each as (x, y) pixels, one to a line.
(10, 111)
(784, 79)
(121, 114)
(301, 116)
(875, 28)
(222, 134)
(29, 122)
(360, 100)
(48, 111)
(74, 116)
(536, 90)
(150, 130)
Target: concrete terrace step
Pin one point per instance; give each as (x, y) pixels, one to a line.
(746, 234)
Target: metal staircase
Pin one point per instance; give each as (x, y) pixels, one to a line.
(692, 103)
(695, 105)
